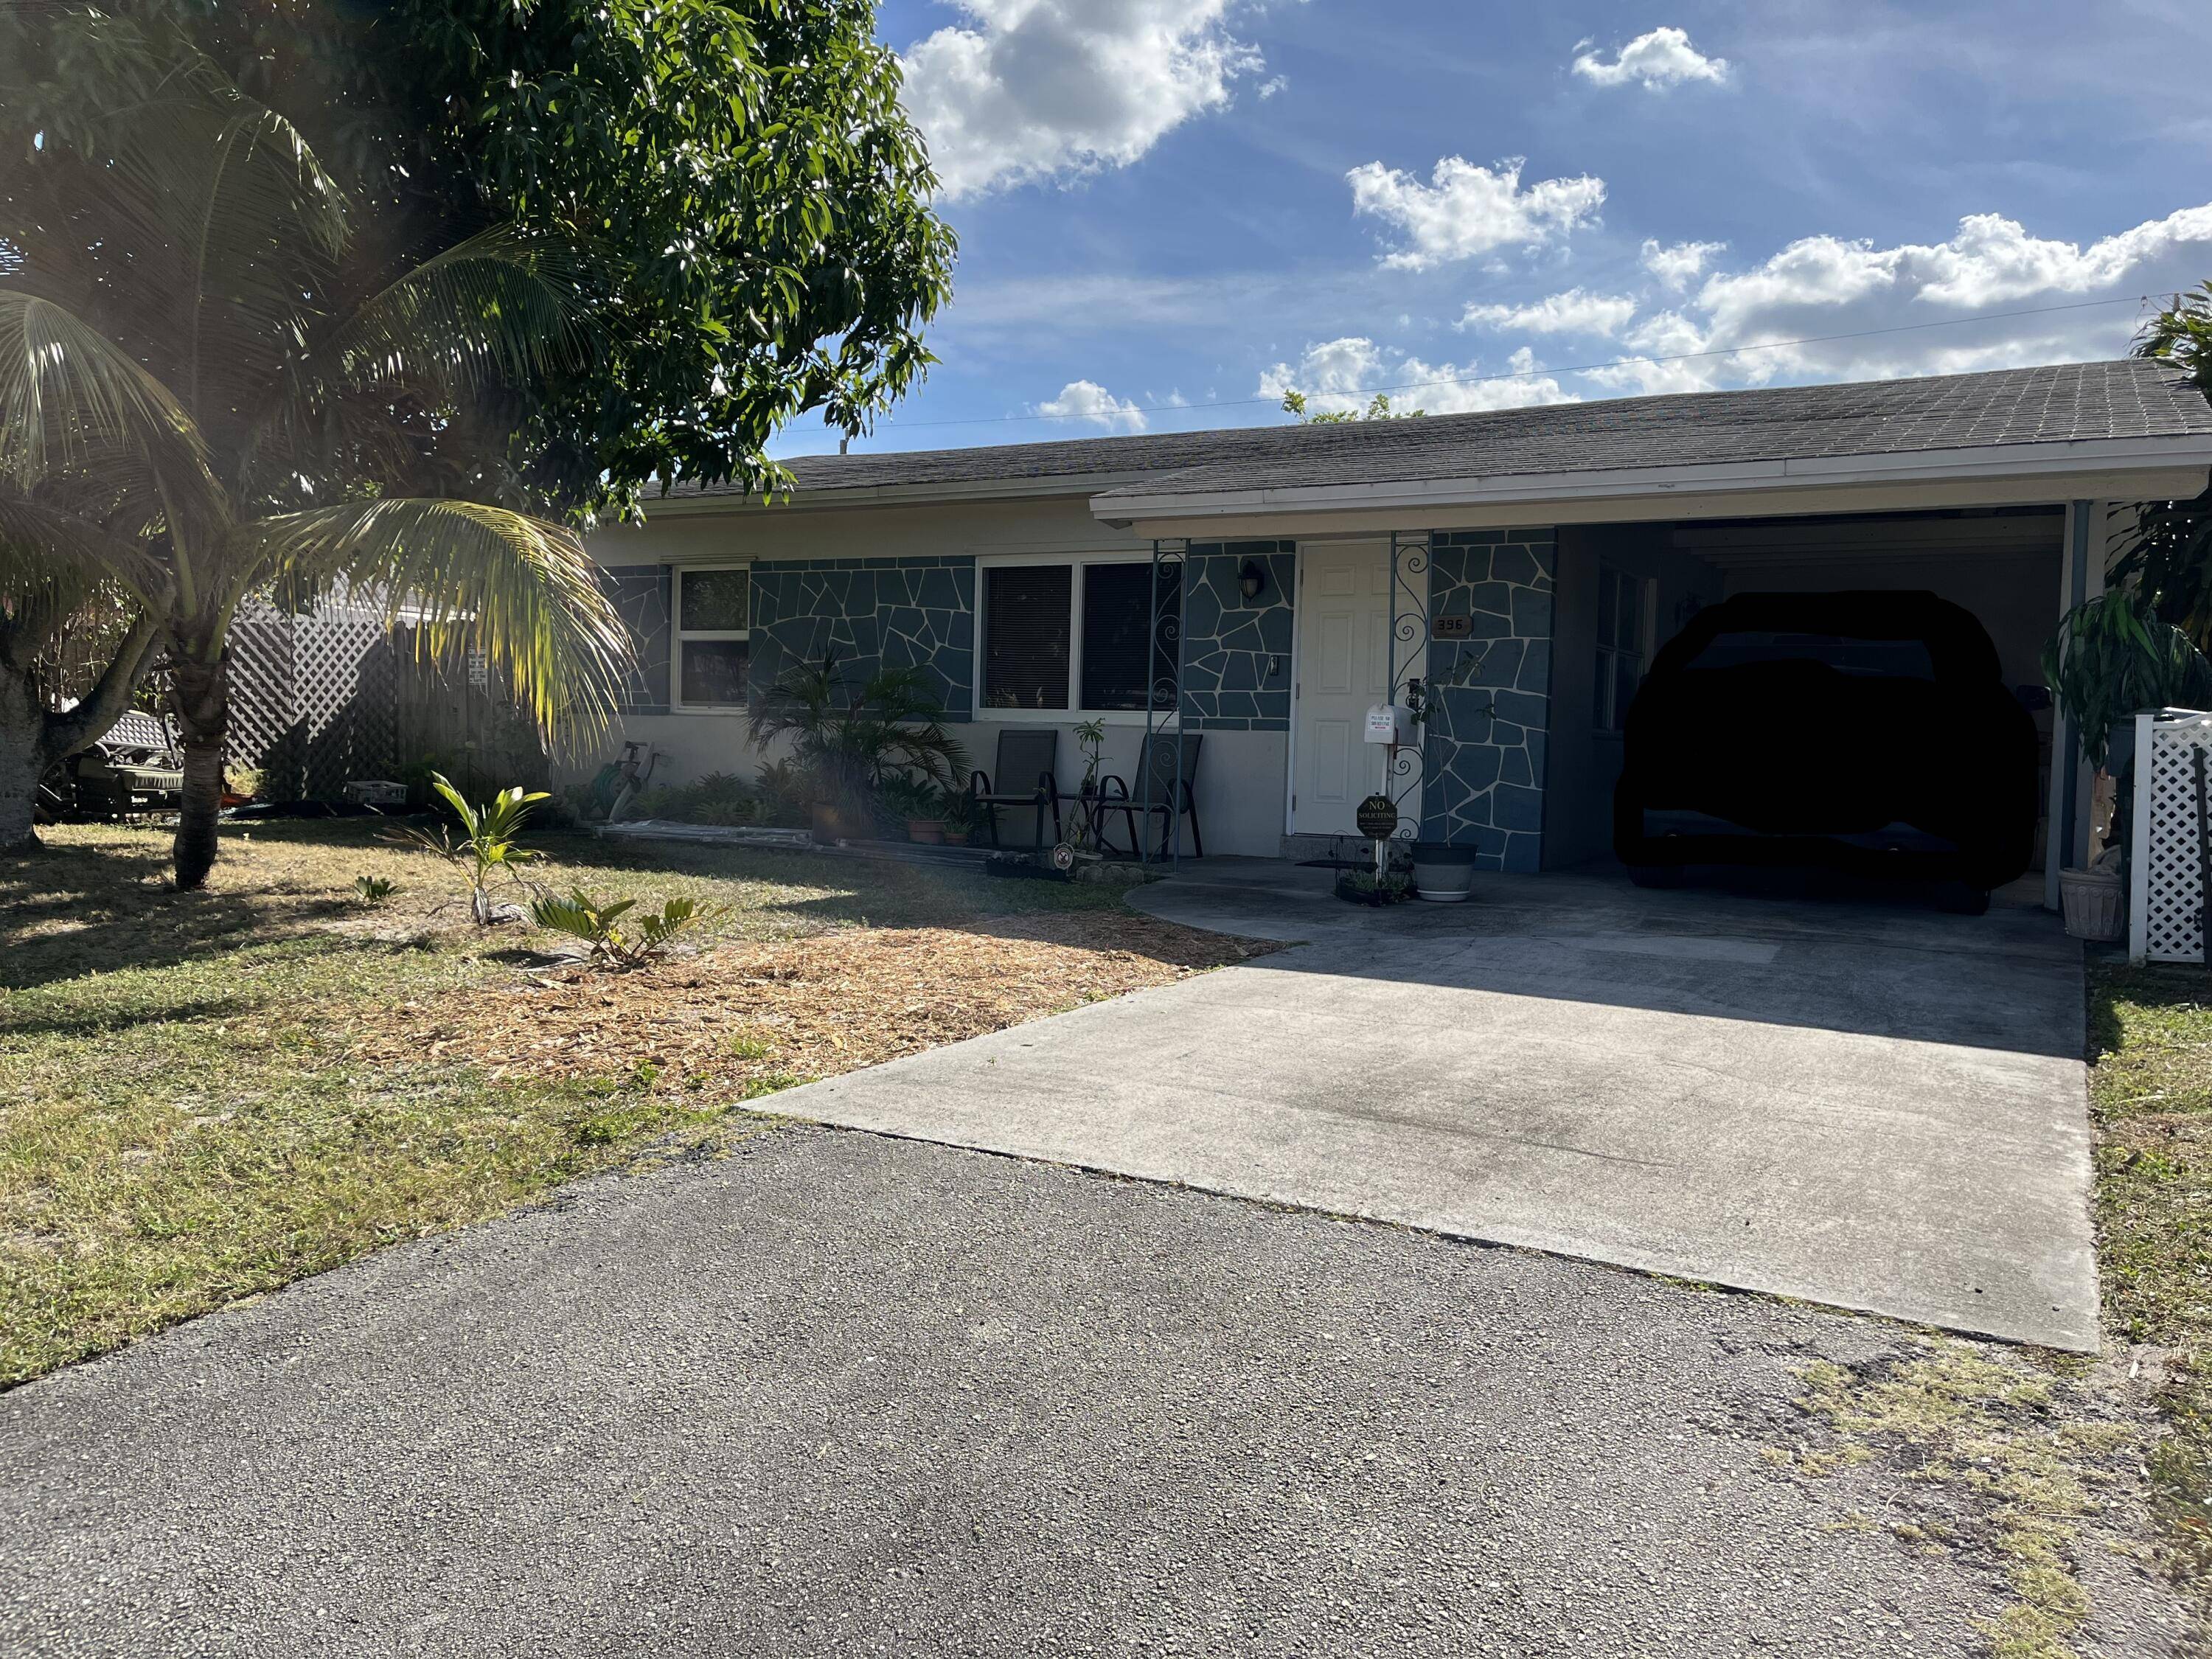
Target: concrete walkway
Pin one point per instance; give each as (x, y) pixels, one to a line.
(1878, 1107)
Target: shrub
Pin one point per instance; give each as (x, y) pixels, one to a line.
(372, 890)
(848, 736)
(901, 796)
(721, 797)
(597, 921)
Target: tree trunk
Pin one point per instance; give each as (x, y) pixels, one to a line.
(202, 694)
(23, 759)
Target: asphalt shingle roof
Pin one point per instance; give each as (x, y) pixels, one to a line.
(2128, 398)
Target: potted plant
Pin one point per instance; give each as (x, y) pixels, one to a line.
(957, 809)
(848, 737)
(1085, 829)
(1363, 887)
(2111, 658)
(914, 806)
(1443, 874)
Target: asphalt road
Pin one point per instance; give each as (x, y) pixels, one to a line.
(839, 1394)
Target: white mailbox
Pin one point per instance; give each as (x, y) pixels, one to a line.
(1390, 722)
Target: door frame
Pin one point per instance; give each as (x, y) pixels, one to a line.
(1290, 742)
(1387, 543)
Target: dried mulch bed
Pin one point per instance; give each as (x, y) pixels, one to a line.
(763, 1016)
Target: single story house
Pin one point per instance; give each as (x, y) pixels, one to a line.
(1524, 564)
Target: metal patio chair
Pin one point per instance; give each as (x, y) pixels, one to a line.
(1170, 761)
(1025, 757)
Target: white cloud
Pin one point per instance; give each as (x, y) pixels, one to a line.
(1575, 311)
(1661, 59)
(1882, 297)
(1337, 375)
(1466, 209)
(1663, 335)
(1274, 84)
(1087, 400)
(1678, 265)
(1024, 90)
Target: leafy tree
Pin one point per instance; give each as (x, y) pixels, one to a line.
(2170, 560)
(212, 382)
(747, 160)
(2182, 333)
(1378, 409)
(750, 203)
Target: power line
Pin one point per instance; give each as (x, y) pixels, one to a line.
(1528, 374)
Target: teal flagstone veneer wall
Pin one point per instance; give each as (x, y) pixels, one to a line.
(1483, 752)
(909, 612)
(1236, 652)
(1483, 748)
(919, 611)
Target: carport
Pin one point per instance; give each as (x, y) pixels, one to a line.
(1526, 565)
(1624, 590)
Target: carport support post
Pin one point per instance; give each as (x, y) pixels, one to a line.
(2066, 833)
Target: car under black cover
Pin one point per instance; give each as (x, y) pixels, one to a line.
(1866, 732)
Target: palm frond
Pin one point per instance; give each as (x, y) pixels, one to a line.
(522, 590)
(67, 389)
(502, 306)
(235, 229)
(2182, 333)
(42, 546)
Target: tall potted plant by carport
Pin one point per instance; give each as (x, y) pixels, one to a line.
(2110, 658)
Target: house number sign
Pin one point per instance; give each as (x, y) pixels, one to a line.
(1451, 628)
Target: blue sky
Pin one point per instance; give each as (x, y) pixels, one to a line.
(1170, 210)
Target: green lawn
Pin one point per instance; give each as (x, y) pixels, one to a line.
(185, 1117)
(2150, 1097)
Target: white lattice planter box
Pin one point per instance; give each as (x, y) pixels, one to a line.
(2166, 874)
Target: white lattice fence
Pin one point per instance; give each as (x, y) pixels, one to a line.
(2166, 900)
(314, 697)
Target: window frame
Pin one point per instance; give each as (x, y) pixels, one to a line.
(1609, 656)
(678, 635)
(1078, 562)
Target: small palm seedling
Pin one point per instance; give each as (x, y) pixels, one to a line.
(599, 921)
(372, 890)
(489, 843)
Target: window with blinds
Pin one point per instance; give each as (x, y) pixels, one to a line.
(1117, 631)
(1028, 626)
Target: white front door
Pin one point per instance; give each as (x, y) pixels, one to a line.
(1344, 670)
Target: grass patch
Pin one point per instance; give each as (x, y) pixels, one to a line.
(2150, 1102)
(1986, 1453)
(204, 1096)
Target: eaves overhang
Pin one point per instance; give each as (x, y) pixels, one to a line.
(2135, 468)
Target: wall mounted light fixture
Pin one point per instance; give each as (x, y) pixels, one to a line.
(1252, 580)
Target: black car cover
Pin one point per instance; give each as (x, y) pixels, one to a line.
(1861, 730)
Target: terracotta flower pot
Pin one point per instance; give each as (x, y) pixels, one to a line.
(929, 832)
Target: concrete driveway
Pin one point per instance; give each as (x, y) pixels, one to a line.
(1878, 1107)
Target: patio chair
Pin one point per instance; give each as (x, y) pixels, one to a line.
(1172, 763)
(1025, 757)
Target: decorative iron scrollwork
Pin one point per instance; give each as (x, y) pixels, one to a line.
(1164, 706)
(1409, 642)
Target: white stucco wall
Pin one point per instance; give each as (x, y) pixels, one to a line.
(1241, 774)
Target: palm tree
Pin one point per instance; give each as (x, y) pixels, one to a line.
(213, 385)
(848, 737)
